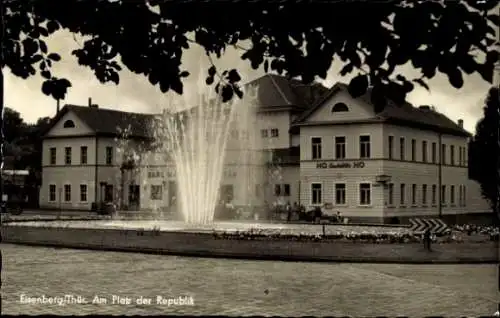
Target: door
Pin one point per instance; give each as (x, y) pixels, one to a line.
(172, 193)
(108, 193)
(134, 196)
(226, 192)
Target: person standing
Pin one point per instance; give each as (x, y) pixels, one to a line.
(288, 212)
(427, 239)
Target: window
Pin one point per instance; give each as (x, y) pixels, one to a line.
(465, 196)
(286, 190)
(462, 195)
(316, 193)
(443, 195)
(443, 154)
(391, 194)
(460, 198)
(434, 194)
(402, 148)
(67, 155)
(340, 193)
(67, 192)
(277, 190)
(402, 194)
(53, 153)
(364, 147)
(83, 193)
(235, 134)
(109, 155)
(466, 158)
(413, 194)
(424, 151)
(69, 124)
(83, 155)
(339, 147)
(365, 194)
(424, 194)
(460, 157)
(391, 146)
(433, 152)
(452, 155)
(275, 132)
(263, 133)
(156, 192)
(413, 150)
(257, 190)
(339, 107)
(316, 147)
(452, 195)
(52, 193)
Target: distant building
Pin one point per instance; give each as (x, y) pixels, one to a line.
(316, 146)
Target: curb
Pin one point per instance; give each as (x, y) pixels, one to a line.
(242, 256)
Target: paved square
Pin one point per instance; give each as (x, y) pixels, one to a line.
(235, 287)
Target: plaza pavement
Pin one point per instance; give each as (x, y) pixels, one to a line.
(234, 287)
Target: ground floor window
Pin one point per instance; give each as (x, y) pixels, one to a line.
(402, 194)
(434, 194)
(316, 193)
(83, 192)
(452, 195)
(424, 194)
(52, 192)
(443, 195)
(282, 190)
(390, 194)
(156, 192)
(365, 194)
(67, 192)
(340, 193)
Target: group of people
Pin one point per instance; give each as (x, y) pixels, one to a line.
(298, 211)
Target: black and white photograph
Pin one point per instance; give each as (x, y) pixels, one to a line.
(250, 158)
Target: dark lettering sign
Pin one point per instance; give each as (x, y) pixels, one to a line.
(335, 165)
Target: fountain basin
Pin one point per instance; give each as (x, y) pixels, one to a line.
(175, 238)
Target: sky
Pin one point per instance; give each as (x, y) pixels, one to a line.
(136, 94)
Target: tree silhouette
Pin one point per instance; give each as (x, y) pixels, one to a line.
(484, 164)
(297, 40)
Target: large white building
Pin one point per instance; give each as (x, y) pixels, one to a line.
(316, 146)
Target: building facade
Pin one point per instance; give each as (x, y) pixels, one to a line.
(310, 145)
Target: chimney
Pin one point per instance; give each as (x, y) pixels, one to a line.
(92, 105)
(461, 123)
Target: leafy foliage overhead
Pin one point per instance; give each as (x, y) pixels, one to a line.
(484, 162)
(297, 40)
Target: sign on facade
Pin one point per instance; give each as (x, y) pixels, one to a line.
(171, 174)
(335, 165)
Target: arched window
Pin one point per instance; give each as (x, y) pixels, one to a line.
(69, 124)
(339, 107)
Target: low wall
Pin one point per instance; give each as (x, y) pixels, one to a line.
(206, 245)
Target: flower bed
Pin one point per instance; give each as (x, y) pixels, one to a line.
(354, 237)
(492, 232)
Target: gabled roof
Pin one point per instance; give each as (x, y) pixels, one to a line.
(277, 91)
(107, 121)
(405, 114)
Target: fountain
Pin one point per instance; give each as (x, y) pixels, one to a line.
(196, 141)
